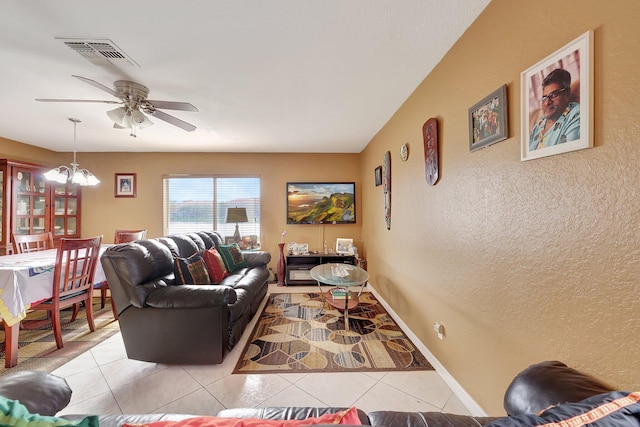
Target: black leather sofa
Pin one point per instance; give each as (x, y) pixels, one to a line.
(536, 389)
(165, 322)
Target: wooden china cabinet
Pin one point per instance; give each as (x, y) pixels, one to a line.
(30, 204)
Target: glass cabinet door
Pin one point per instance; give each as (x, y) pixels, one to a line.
(30, 210)
(65, 210)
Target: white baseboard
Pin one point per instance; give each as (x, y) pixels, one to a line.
(459, 391)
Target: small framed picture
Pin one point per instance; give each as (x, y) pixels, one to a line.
(303, 248)
(557, 101)
(488, 122)
(344, 246)
(125, 185)
(378, 176)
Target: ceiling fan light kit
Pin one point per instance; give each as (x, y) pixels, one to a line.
(63, 173)
(133, 97)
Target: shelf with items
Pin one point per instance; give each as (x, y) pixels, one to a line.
(298, 266)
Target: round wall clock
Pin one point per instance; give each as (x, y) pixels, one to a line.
(404, 152)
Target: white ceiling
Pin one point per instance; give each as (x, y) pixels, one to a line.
(265, 75)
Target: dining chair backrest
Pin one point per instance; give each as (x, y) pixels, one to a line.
(24, 243)
(75, 267)
(125, 236)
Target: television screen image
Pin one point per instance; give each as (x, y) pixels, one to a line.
(321, 203)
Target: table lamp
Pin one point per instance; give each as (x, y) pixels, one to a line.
(236, 215)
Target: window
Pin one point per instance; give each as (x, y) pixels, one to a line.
(196, 203)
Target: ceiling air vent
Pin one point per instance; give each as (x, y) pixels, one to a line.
(100, 52)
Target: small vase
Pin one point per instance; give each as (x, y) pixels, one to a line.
(281, 263)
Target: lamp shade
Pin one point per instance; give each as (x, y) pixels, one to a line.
(236, 215)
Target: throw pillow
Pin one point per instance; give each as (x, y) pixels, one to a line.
(347, 417)
(232, 257)
(215, 265)
(40, 392)
(15, 414)
(614, 409)
(191, 271)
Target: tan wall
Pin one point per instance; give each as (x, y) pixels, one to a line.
(102, 212)
(521, 261)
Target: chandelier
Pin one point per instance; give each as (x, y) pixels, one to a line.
(63, 173)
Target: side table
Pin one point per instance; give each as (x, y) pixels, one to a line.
(343, 275)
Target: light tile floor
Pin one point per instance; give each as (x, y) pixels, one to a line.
(104, 381)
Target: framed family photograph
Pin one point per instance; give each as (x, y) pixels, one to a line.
(488, 122)
(125, 185)
(557, 101)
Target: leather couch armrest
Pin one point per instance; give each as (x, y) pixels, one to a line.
(192, 296)
(549, 383)
(256, 258)
(40, 392)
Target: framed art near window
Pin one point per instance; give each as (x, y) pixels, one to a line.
(125, 185)
(557, 101)
(488, 122)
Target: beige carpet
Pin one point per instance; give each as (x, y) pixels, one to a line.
(37, 346)
(301, 333)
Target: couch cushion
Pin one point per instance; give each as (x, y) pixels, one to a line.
(347, 417)
(232, 257)
(287, 412)
(614, 409)
(549, 383)
(191, 271)
(40, 392)
(215, 265)
(15, 414)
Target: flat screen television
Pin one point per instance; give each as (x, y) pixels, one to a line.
(321, 202)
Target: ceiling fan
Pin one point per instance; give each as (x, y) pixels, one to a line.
(133, 97)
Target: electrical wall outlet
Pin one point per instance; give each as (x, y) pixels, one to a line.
(439, 329)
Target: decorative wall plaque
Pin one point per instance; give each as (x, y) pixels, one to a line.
(430, 135)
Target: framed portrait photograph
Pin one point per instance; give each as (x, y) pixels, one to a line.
(557, 101)
(125, 185)
(488, 122)
(344, 246)
(378, 176)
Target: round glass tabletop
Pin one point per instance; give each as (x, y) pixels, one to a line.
(339, 274)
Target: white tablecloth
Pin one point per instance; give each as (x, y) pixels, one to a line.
(26, 279)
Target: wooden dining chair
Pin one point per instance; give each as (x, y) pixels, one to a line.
(121, 236)
(125, 236)
(25, 243)
(73, 274)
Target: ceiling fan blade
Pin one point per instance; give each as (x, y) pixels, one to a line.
(78, 100)
(171, 119)
(170, 105)
(98, 85)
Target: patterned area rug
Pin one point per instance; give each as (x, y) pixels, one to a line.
(37, 348)
(302, 333)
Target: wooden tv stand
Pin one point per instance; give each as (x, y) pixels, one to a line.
(298, 266)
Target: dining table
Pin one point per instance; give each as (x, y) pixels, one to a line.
(26, 279)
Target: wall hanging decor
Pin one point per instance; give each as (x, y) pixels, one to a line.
(386, 187)
(430, 135)
(125, 185)
(378, 176)
(404, 152)
(488, 122)
(557, 101)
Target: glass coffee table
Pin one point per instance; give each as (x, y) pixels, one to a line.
(342, 276)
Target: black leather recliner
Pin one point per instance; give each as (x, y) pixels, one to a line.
(163, 322)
